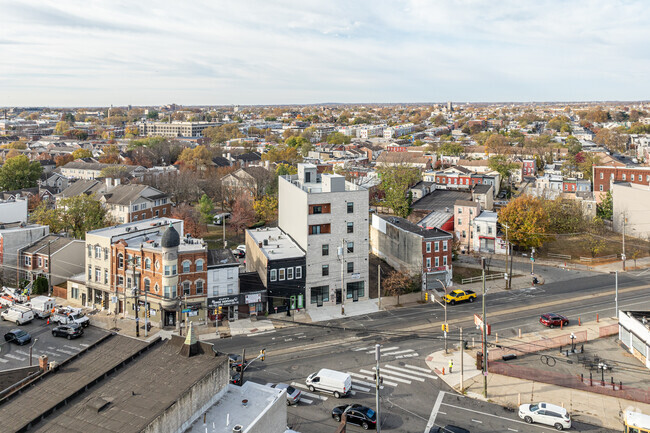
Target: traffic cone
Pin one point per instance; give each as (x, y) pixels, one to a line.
(48, 320)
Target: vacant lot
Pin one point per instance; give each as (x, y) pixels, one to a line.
(596, 246)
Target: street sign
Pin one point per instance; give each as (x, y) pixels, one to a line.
(478, 321)
(186, 310)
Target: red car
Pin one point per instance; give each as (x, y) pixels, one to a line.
(552, 320)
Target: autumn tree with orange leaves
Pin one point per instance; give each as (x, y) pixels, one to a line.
(527, 221)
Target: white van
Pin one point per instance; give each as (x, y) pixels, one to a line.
(330, 381)
(42, 306)
(545, 413)
(18, 314)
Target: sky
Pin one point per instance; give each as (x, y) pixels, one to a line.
(98, 53)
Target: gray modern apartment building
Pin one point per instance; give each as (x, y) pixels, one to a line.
(174, 129)
(328, 218)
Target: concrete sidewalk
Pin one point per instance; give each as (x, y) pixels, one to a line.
(588, 407)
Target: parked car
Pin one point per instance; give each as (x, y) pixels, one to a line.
(242, 248)
(293, 394)
(68, 331)
(460, 296)
(239, 253)
(552, 320)
(18, 336)
(18, 314)
(356, 414)
(448, 429)
(236, 379)
(545, 413)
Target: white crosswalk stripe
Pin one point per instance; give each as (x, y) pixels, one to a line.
(84, 345)
(4, 361)
(408, 355)
(67, 352)
(20, 352)
(397, 379)
(361, 382)
(398, 352)
(360, 388)
(308, 394)
(306, 400)
(409, 369)
(365, 376)
(384, 350)
(359, 349)
(413, 367)
(399, 373)
(17, 358)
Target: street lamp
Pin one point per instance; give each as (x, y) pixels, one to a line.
(30, 351)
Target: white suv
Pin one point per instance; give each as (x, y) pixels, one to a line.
(545, 413)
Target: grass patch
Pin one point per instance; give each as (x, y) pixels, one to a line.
(461, 272)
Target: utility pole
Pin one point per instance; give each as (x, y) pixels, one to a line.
(616, 298)
(532, 261)
(136, 280)
(379, 284)
(146, 315)
(377, 384)
(462, 355)
(223, 223)
(484, 332)
(49, 269)
(243, 364)
(507, 251)
(444, 306)
(623, 255)
(342, 276)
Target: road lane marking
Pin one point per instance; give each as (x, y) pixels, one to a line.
(308, 394)
(20, 352)
(71, 347)
(385, 382)
(434, 411)
(475, 420)
(360, 388)
(398, 353)
(397, 379)
(4, 361)
(512, 429)
(254, 334)
(17, 358)
(497, 416)
(361, 382)
(424, 370)
(384, 350)
(359, 349)
(84, 345)
(67, 352)
(400, 374)
(408, 355)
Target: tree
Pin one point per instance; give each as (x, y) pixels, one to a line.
(115, 171)
(611, 139)
(266, 208)
(223, 133)
(206, 209)
(110, 155)
(573, 145)
(395, 183)
(47, 216)
(338, 138)
(152, 114)
(496, 142)
(82, 153)
(605, 209)
(61, 127)
(502, 165)
(75, 215)
(195, 158)
(62, 160)
(527, 221)
(586, 162)
(20, 145)
(398, 283)
(41, 286)
(439, 120)
(242, 215)
(191, 219)
(282, 153)
(564, 215)
(451, 149)
(18, 173)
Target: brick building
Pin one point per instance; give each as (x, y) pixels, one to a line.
(603, 175)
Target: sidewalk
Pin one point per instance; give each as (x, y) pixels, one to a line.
(588, 407)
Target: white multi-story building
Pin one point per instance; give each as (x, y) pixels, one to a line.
(371, 131)
(174, 129)
(398, 131)
(328, 218)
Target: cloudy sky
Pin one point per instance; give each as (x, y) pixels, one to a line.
(66, 53)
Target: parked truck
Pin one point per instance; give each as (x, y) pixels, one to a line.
(42, 306)
(68, 315)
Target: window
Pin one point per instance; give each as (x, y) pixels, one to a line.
(601, 174)
(135, 217)
(471, 212)
(444, 260)
(167, 270)
(47, 264)
(632, 177)
(231, 273)
(120, 261)
(170, 291)
(350, 267)
(281, 274)
(325, 271)
(437, 261)
(464, 234)
(199, 265)
(318, 229)
(186, 287)
(326, 250)
(460, 221)
(120, 280)
(428, 262)
(231, 289)
(75, 292)
(647, 178)
(428, 247)
(600, 187)
(135, 207)
(298, 272)
(90, 251)
(105, 276)
(320, 294)
(489, 230)
(98, 275)
(199, 287)
(105, 253)
(317, 209)
(98, 252)
(350, 207)
(624, 177)
(444, 245)
(289, 273)
(147, 263)
(460, 210)
(186, 266)
(90, 272)
(147, 284)
(437, 246)
(350, 227)
(350, 247)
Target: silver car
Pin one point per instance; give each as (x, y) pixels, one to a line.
(293, 394)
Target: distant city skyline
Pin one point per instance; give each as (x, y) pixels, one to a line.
(67, 53)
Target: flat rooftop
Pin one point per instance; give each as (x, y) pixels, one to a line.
(441, 199)
(279, 244)
(135, 226)
(229, 411)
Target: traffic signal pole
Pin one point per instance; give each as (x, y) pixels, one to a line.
(377, 384)
(484, 332)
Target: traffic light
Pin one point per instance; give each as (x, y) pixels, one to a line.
(426, 296)
(262, 354)
(445, 327)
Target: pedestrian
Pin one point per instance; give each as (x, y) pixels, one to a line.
(451, 365)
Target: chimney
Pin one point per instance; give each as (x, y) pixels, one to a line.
(42, 362)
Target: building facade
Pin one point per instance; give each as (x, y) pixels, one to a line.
(603, 175)
(174, 129)
(328, 218)
(464, 213)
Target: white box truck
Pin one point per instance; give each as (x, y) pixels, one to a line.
(336, 382)
(42, 306)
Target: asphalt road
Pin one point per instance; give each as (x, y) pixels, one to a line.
(407, 336)
(56, 348)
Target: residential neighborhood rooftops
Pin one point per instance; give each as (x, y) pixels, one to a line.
(406, 225)
(441, 199)
(221, 257)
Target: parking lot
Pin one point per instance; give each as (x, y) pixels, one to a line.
(56, 348)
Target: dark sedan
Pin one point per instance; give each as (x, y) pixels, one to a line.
(356, 414)
(448, 429)
(68, 331)
(18, 336)
(552, 320)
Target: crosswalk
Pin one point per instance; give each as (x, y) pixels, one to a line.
(59, 352)
(363, 380)
(389, 351)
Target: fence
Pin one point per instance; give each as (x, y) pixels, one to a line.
(480, 278)
(608, 387)
(559, 256)
(599, 259)
(537, 345)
